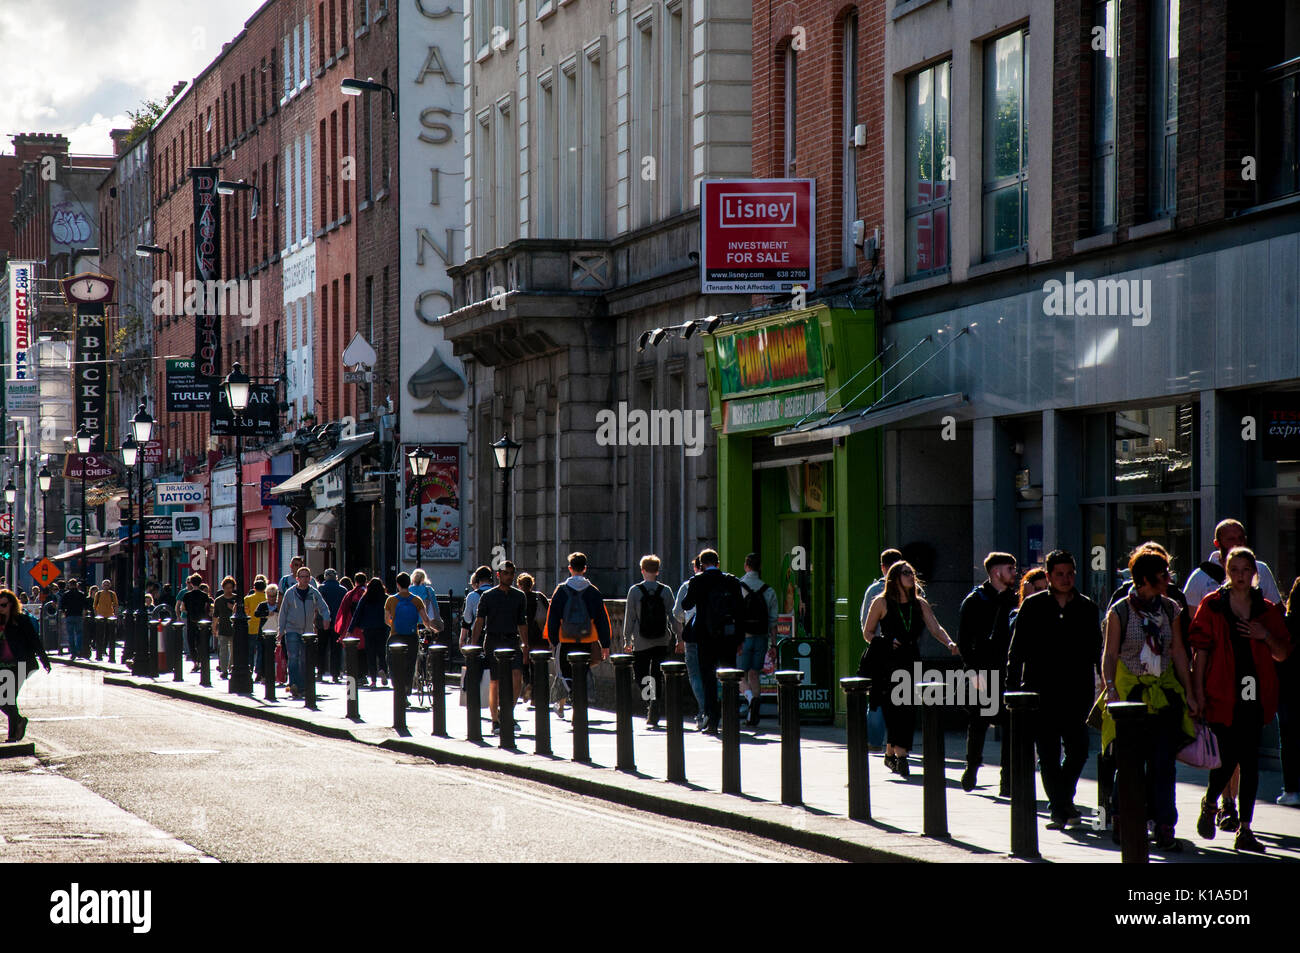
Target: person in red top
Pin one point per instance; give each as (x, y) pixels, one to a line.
(1237, 636)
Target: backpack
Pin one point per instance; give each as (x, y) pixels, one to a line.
(406, 617)
(1121, 609)
(536, 610)
(721, 610)
(576, 622)
(1214, 571)
(754, 615)
(653, 621)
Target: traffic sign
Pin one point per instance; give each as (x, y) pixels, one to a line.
(45, 572)
(6, 523)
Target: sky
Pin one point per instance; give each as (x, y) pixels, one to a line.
(76, 66)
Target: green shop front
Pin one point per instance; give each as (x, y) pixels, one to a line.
(812, 512)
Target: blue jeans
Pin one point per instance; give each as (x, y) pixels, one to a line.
(294, 657)
(73, 625)
(693, 674)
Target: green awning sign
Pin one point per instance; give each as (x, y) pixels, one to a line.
(769, 358)
(771, 411)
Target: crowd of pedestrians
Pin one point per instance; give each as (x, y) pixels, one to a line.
(1211, 659)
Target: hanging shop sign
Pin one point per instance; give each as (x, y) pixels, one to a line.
(769, 358)
(438, 492)
(207, 252)
(186, 391)
(259, 418)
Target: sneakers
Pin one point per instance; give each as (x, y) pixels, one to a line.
(1164, 839)
(904, 770)
(1057, 822)
(1289, 799)
(1246, 841)
(891, 763)
(1205, 823)
(968, 779)
(1074, 819)
(1228, 819)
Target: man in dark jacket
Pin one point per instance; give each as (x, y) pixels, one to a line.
(330, 656)
(984, 637)
(716, 597)
(20, 647)
(1055, 651)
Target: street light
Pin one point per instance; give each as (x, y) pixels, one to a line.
(355, 87)
(84, 441)
(238, 387)
(225, 187)
(507, 455)
(133, 452)
(146, 251)
(11, 494)
(419, 458)
(43, 480)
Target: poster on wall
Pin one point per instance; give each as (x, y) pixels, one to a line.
(438, 496)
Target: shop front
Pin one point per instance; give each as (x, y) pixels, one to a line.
(811, 511)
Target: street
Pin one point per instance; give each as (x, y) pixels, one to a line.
(241, 791)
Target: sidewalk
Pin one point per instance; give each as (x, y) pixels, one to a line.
(978, 822)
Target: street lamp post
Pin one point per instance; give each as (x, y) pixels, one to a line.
(11, 494)
(237, 388)
(131, 454)
(419, 458)
(84, 440)
(43, 480)
(507, 455)
(355, 87)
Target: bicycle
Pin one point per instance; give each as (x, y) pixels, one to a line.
(423, 681)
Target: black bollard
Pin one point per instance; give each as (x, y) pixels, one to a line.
(541, 660)
(92, 637)
(352, 662)
(205, 653)
(674, 681)
(935, 781)
(308, 669)
(1130, 732)
(1024, 793)
(397, 663)
(506, 686)
(788, 713)
(139, 656)
(175, 655)
(110, 635)
(268, 663)
(579, 663)
(730, 679)
(438, 699)
(623, 710)
(473, 655)
(856, 695)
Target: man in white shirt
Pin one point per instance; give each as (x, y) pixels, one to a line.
(1209, 576)
(887, 559)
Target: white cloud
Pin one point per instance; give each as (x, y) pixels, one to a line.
(84, 63)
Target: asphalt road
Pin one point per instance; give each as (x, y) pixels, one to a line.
(239, 790)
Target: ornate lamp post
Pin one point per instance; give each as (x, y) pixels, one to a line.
(419, 458)
(84, 440)
(507, 455)
(237, 387)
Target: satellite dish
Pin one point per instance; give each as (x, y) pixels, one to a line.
(359, 351)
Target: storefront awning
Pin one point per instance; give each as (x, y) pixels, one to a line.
(321, 530)
(851, 422)
(305, 477)
(105, 548)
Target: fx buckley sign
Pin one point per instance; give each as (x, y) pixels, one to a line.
(207, 249)
(92, 354)
(757, 236)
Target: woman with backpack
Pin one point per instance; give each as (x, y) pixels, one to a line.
(1145, 659)
(536, 607)
(902, 614)
(367, 623)
(1238, 636)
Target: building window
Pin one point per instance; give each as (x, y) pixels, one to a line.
(790, 88)
(928, 198)
(593, 136)
(507, 214)
(567, 145)
(1006, 144)
(643, 123)
(676, 137)
(1140, 483)
(547, 161)
(848, 122)
(370, 149)
(484, 224)
(482, 27)
(1164, 107)
(383, 142)
(1105, 92)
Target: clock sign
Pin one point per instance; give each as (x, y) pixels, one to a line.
(88, 288)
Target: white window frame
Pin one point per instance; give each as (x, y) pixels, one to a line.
(483, 210)
(547, 161)
(644, 115)
(505, 143)
(567, 150)
(592, 166)
(675, 112)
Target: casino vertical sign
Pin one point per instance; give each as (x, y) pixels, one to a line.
(207, 259)
(757, 236)
(22, 314)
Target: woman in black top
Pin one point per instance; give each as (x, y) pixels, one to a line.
(902, 614)
(20, 647)
(369, 618)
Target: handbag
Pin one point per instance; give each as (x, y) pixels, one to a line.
(1202, 751)
(485, 682)
(281, 663)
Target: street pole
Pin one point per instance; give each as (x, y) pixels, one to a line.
(419, 521)
(505, 512)
(45, 525)
(241, 679)
(83, 522)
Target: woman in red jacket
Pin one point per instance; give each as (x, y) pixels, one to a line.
(1237, 636)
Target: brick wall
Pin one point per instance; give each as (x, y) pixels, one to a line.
(819, 110)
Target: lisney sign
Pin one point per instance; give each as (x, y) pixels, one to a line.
(757, 236)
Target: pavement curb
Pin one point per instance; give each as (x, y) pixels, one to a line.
(833, 836)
